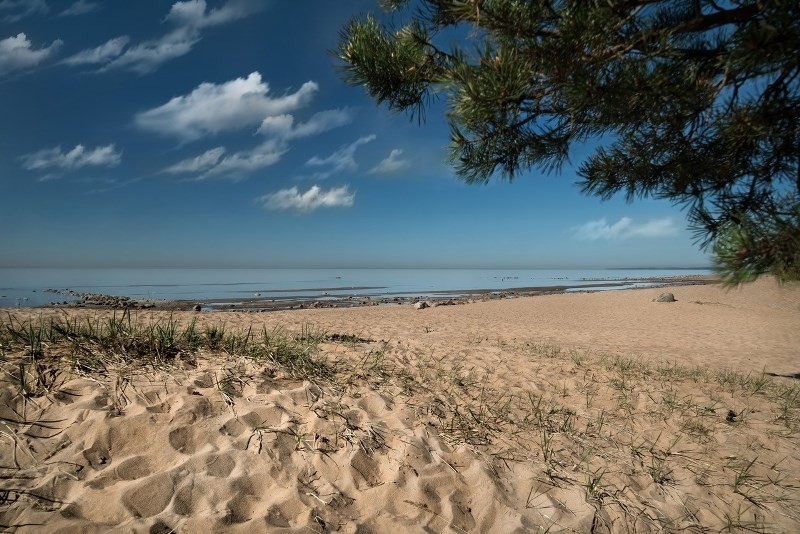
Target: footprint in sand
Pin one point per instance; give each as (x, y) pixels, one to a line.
(462, 512)
(189, 498)
(159, 527)
(97, 455)
(220, 466)
(233, 428)
(265, 417)
(188, 440)
(242, 508)
(83, 527)
(131, 469)
(366, 471)
(134, 468)
(275, 518)
(285, 512)
(151, 497)
(195, 408)
(247, 500)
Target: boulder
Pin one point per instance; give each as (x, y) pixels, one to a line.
(665, 297)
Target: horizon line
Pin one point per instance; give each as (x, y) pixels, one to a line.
(445, 267)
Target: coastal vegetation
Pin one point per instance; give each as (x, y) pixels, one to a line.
(696, 102)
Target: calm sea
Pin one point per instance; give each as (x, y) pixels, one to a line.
(26, 287)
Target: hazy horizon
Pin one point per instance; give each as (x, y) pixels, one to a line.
(373, 267)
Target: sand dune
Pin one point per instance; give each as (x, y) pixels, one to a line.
(579, 412)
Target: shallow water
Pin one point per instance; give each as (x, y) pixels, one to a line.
(26, 287)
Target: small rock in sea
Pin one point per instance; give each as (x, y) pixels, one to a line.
(197, 307)
(421, 305)
(665, 297)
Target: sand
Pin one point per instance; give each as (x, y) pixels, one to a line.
(603, 412)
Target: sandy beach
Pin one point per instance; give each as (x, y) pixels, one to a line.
(585, 412)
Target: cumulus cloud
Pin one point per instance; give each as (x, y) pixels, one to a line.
(212, 164)
(342, 159)
(625, 228)
(304, 202)
(392, 163)
(81, 7)
(212, 108)
(101, 54)
(283, 126)
(19, 9)
(78, 157)
(188, 19)
(18, 53)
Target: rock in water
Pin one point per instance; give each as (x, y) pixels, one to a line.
(665, 297)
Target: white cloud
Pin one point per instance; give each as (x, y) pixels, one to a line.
(212, 108)
(341, 160)
(101, 54)
(188, 19)
(201, 163)
(392, 163)
(212, 164)
(78, 157)
(18, 53)
(283, 125)
(81, 7)
(625, 228)
(315, 197)
(240, 163)
(23, 8)
(192, 13)
(147, 56)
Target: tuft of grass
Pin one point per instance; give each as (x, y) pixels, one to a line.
(593, 485)
(92, 344)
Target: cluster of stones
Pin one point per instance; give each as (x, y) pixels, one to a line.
(98, 300)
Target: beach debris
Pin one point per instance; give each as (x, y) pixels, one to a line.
(197, 307)
(665, 297)
(421, 305)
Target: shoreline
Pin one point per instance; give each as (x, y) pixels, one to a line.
(324, 299)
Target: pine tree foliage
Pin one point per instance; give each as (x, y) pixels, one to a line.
(695, 101)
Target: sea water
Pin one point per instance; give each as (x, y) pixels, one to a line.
(27, 287)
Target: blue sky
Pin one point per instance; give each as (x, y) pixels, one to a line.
(218, 134)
